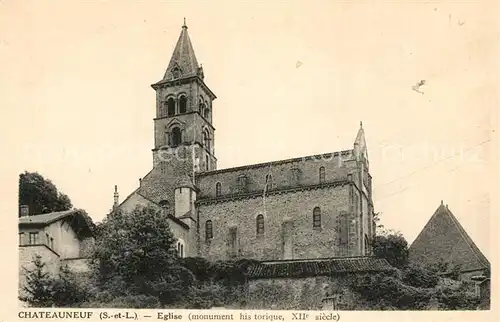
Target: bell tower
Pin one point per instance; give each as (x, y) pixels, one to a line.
(183, 124)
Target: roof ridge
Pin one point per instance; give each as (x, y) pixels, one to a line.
(473, 247)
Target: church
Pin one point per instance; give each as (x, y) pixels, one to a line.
(310, 207)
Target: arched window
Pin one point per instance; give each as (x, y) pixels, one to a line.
(322, 175)
(176, 72)
(218, 189)
(206, 112)
(260, 225)
(176, 136)
(269, 181)
(200, 105)
(170, 106)
(183, 104)
(206, 140)
(164, 109)
(180, 248)
(317, 217)
(209, 233)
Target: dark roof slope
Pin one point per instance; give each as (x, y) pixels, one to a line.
(80, 222)
(45, 219)
(317, 267)
(443, 238)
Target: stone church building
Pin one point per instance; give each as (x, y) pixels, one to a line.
(309, 207)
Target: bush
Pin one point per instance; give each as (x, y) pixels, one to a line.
(457, 298)
(387, 291)
(419, 276)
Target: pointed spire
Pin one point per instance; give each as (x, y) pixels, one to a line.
(183, 62)
(360, 143)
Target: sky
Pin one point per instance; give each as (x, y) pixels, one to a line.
(292, 79)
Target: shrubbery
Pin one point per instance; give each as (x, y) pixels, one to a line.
(135, 265)
(44, 290)
(411, 286)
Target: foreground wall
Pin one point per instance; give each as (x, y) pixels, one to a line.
(311, 293)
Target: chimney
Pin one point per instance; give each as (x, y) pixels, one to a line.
(24, 211)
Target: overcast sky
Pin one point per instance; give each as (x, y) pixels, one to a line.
(292, 79)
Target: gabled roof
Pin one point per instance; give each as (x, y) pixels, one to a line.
(45, 219)
(317, 267)
(444, 238)
(79, 222)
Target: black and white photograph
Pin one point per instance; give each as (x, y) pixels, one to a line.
(233, 156)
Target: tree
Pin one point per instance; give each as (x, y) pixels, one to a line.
(38, 285)
(135, 254)
(393, 247)
(420, 276)
(45, 290)
(40, 194)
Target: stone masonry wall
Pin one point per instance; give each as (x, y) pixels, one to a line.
(288, 173)
(308, 242)
(313, 293)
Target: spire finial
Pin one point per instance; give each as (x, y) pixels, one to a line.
(184, 25)
(361, 124)
(116, 188)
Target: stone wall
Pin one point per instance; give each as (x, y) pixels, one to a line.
(285, 174)
(297, 207)
(77, 265)
(313, 293)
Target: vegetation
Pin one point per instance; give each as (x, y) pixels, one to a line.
(393, 247)
(45, 290)
(41, 195)
(411, 286)
(135, 265)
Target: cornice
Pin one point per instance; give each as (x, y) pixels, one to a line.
(277, 191)
(185, 80)
(272, 163)
(187, 113)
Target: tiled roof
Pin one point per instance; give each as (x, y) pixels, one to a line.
(317, 267)
(444, 238)
(79, 222)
